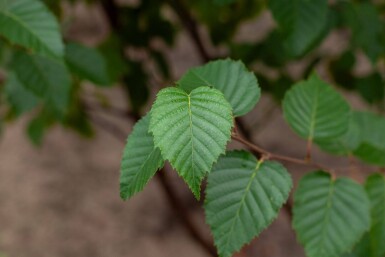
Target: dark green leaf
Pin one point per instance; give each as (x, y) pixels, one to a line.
(239, 85)
(372, 146)
(87, 63)
(45, 77)
(301, 22)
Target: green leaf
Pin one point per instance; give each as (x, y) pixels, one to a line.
(30, 24)
(375, 187)
(302, 22)
(45, 77)
(372, 146)
(367, 28)
(116, 64)
(191, 130)
(371, 87)
(141, 159)
(344, 144)
(36, 129)
(18, 96)
(314, 110)
(243, 197)
(87, 63)
(330, 216)
(239, 85)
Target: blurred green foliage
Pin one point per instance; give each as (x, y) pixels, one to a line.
(45, 74)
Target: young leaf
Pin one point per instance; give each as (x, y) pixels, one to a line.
(243, 197)
(87, 63)
(30, 24)
(191, 130)
(301, 21)
(372, 146)
(239, 85)
(315, 111)
(330, 216)
(375, 187)
(141, 159)
(47, 78)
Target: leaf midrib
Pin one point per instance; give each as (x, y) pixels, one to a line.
(246, 192)
(192, 136)
(327, 213)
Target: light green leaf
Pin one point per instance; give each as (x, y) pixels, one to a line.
(45, 77)
(302, 22)
(314, 110)
(18, 96)
(191, 130)
(239, 85)
(141, 159)
(344, 144)
(372, 146)
(87, 63)
(30, 24)
(330, 216)
(375, 187)
(243, 197)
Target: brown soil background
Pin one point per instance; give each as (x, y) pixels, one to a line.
(62, 199)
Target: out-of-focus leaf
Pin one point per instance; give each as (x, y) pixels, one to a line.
(87, 63)
(36, 129)
(19, 97)
(45, 77)
(116, 65)
(341, 69)
(223, 25)
(372, 146)
(368, 31)
(302, 22)
(371, 87)
(30, 24)
(135, 82)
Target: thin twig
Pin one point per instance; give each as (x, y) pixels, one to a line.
(270, 155)
(191, 26)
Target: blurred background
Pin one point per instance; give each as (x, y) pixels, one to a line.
(59, 178)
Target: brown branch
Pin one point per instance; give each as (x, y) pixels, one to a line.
(191, 26)
(183, 213)
(269, 155)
